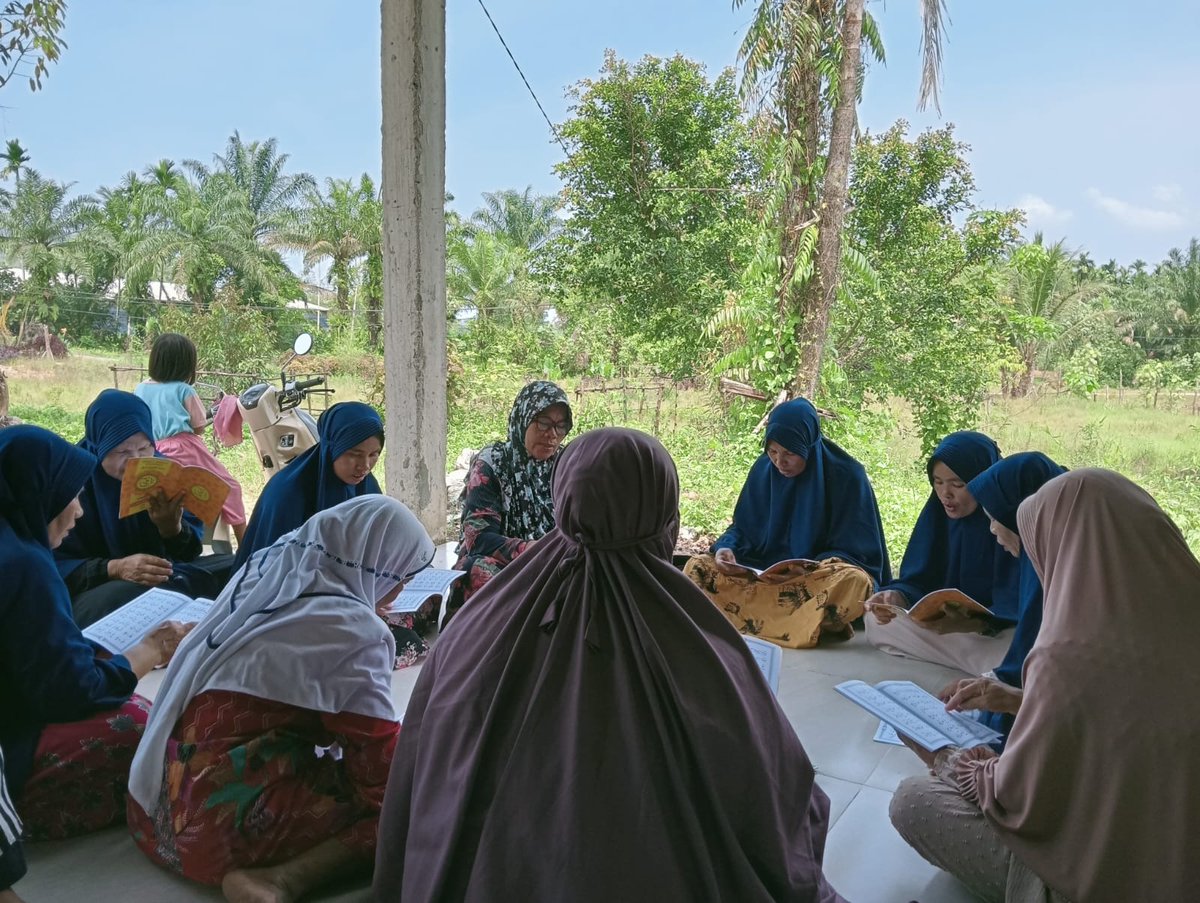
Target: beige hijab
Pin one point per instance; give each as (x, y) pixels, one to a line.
(1098, 791)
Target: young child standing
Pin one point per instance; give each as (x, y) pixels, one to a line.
(180, 420)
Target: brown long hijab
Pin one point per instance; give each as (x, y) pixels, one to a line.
(1098, 790)
(591, 728)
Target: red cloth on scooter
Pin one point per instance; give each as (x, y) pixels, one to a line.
(227, 422)
(308, 484)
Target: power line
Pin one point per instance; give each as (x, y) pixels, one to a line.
(532, 94)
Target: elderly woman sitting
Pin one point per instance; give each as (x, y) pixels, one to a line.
(109, 560)
(506, 505)
(264, 762)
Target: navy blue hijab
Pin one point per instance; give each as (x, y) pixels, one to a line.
(1000, 490)
(48, 671)
(960, 553)
(829, 511)
(100, 533)
(308, 484)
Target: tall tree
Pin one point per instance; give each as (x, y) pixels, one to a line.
(41, 230)
(198, 234)
(1181, 273)
(801, 63)
(15, 158)
(256, 169)
(522, 219)
(1042, 293)
(659, 177)
(341, 225)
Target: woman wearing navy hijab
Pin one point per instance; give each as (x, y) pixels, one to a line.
(804, 498)
(335, 470)
(109, 560)
(69, 723)
(951, 547)
(1000, 490)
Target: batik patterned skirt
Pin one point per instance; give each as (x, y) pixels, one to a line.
(80, 773)
(793, 612)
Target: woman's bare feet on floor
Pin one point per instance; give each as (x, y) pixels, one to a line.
(254, 886)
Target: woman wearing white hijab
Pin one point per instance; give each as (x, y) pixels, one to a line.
(1096, 797)
(264, 762)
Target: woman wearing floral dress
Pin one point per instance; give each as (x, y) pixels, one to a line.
(506, 505)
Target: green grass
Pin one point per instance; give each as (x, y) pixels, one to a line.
(714, 446)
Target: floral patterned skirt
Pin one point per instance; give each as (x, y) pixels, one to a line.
(792, 613)
(80, 772)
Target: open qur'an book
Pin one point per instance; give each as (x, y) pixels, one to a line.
(203, 491)
(423, 586)
(769, 658)
(918, 715)
(125, 627)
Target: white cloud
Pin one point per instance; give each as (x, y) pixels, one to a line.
(1040, 212)
(1133, 215)
(1167, 194)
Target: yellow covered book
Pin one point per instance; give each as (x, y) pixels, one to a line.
(203, 491)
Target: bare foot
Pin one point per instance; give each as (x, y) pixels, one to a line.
(9, 896)
(255, 886)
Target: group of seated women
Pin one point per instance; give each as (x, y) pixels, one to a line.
(591, 726)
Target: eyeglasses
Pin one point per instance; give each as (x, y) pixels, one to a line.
(545, 424)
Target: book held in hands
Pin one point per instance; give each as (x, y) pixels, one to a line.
(917, 714)
(203, 491)
(124, 628)
(423, 586)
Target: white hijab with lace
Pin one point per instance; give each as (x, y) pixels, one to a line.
(297, 624)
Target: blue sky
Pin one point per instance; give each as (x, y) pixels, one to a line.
(1081, 112)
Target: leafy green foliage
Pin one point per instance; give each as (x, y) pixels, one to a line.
(927, 326)
(31, 28)
(659, 175)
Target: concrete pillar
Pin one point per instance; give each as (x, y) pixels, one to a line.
(414, 255)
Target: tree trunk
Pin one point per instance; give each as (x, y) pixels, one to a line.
(821, 291)
(414, 255)
(802, 126)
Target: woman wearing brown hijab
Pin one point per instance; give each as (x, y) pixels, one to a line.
(1096, 797)
(591, 728)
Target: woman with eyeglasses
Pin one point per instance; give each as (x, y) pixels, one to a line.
(506, 505)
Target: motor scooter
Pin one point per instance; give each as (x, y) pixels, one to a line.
(279, 428)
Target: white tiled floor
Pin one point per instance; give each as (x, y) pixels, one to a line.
(864, 858)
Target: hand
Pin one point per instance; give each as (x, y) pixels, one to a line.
(985, 693)
(886, 605)
(726, 562)
(148, 570)
(157, 647)
(167, 513)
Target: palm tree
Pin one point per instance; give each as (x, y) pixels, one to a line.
(15, 157)
(340, 225)
(1043, 292)
(522, 219)
(41, 230)
(801, 67)
(1182, 275)
(257, 170)
(197, 234)
(485, 273)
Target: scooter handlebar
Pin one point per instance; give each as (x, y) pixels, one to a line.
(304, 384)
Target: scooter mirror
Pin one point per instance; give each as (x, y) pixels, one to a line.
(303, 344)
